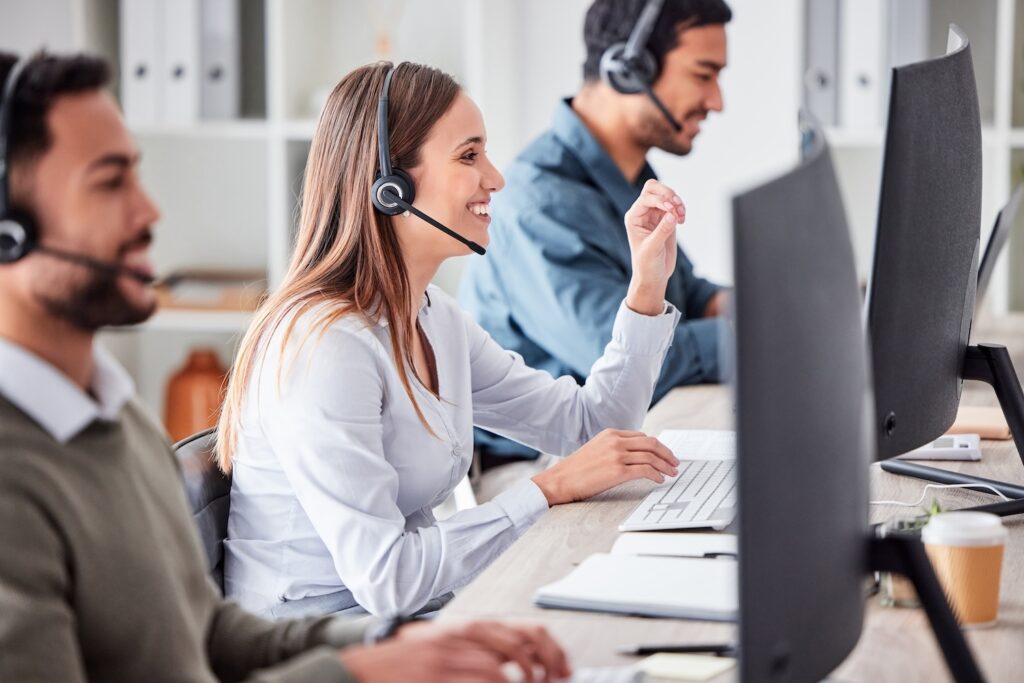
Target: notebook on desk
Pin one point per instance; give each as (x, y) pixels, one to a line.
(655, 578)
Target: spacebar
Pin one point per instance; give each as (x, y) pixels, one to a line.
(935, 474)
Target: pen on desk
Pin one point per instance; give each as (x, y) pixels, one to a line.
(716, 649)
(703, 556)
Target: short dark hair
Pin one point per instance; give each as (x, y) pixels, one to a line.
(611, 21)
(44, 78)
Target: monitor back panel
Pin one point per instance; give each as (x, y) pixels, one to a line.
(921, 297)
(804, 432)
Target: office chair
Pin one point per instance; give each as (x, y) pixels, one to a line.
(208, 490)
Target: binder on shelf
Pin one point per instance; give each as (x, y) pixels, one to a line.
(862, 63)
(908, 31)
(180, 26)
(141, 69)
(220, 59)
(821, 60)
(907, 35)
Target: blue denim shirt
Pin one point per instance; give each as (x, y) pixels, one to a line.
(559, 265)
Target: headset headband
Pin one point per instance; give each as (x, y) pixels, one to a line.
(383, 139)
(641, 33)
(6, 109)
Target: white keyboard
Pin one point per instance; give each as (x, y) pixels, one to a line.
(702, 495)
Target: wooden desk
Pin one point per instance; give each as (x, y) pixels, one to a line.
(896, 644)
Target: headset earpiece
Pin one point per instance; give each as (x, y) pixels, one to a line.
(397, 182)
(18, 235)
(630, 68)
(394, 192)
(18, 230)
(628, 76)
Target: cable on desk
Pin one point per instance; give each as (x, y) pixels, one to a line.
(924, 493)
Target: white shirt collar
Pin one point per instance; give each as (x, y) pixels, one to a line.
(424, 306)
(57, 404)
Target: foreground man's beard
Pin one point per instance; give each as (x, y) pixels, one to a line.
(96, 303)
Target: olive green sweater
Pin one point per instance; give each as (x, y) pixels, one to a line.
(102, 577)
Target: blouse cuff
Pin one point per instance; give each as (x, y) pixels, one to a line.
(642, 334)
(524, 503)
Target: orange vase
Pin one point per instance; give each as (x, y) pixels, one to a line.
(194, 395)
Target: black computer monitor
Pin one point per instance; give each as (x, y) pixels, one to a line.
(922, 287)
(1005, 221)
(921, 296)
(805, 438)
(804, 442)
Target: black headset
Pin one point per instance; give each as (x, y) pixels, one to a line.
(630, 68)
(18, 230)
(394, 192)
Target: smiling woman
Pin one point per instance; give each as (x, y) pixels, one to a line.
(352, 402)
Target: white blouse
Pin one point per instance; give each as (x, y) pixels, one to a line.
(335, 477)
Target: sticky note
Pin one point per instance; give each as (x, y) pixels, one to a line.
(685, 667)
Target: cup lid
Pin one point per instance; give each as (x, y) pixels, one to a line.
(964, 528)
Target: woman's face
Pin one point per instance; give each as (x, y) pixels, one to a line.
(454, 182)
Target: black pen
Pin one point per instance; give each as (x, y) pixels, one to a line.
(716, 649)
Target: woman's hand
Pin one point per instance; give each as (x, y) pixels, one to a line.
(651, 229)
(609, 459)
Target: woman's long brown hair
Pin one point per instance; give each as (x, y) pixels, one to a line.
(346, 254)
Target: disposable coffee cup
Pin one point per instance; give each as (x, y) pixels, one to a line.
(966, 550)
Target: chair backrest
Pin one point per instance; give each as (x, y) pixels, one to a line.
(209, 495)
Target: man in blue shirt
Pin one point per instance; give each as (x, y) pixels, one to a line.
(559, 263)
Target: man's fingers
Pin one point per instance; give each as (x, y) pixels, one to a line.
(475, 664)
(510, 644)
(548, 651)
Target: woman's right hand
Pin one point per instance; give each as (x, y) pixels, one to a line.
(651, 229)
(612, 457)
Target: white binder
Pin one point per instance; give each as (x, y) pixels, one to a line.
(220, 59)
(821, 60)
(180, 27)
(908, 37)
(861, 63)
(141, 69)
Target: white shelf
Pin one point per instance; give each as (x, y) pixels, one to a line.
(1017, 137)
(854, 137)
(185, 320)
(220, 130)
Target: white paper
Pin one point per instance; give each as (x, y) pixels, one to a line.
(675, 544)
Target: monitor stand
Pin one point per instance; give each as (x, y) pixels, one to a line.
(986, 363)
(903, 554)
